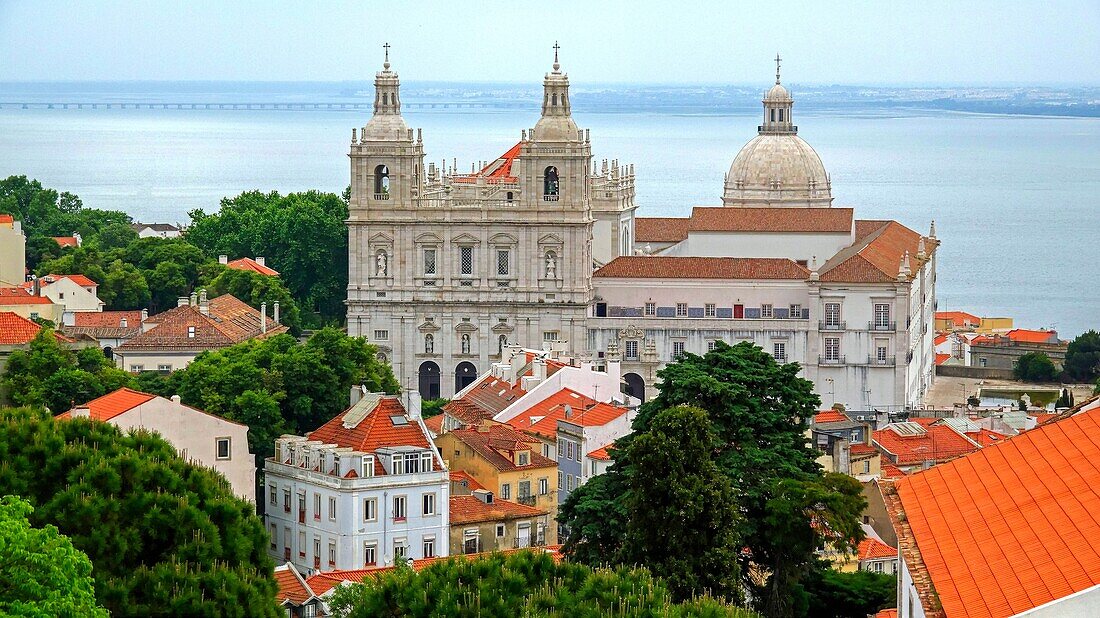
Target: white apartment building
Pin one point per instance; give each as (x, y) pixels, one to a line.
(368, 488)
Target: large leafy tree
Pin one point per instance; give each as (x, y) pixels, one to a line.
(165, 537)
(46, 212)
(1083, 357)
(256, 289)
(1035, 367)
(759, 411)
(834, 594)
(302, 235)
(41, 574)
(672, 464)
(524, 583)
(49, 374)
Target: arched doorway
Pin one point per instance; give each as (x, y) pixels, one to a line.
(429, 380)
(109, 352)
(465, 374)
(635, 386)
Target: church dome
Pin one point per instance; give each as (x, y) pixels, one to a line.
(778, 93)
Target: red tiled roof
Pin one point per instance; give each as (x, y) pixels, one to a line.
(483, 401)
(937, 443)
(890, 471)
(830, 416)
(986, 437)
(940, 338)
(874, 549)
(374, 431)
(1023, 335)
(1042, 417)
(291, 586)
(667, 267)
(542, 418)
(499, 170)
(6, 219)
(661, 229)
(228, 321)
(435, 424)
(887, 613)
(65, 241)
(252, 265)
(461, 476)
(876, 258)
(112, 319)
(80, 280)
(113, 404)
(959, 319)
(492, 441)
(942, 358)
(860, 449)
(16, 329)
(770, 219)
(601, 453)
(1012, 526)
(469, 510)
(21, 296)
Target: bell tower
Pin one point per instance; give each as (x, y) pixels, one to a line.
(386, 160)
(777, 108)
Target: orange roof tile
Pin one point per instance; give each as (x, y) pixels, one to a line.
(887, 613)
(874, 549)
(500, 170)
(542, 418)
(876, 257)
(1023, 335)
(942, 358)
(493, 441)
(601, 453)
(936, 443)
(770, 219)
(435, 424)
(986, 437)
(16, 329)
(469, 510)
(667, 267)
(464, 478)
(113, 404)
(484, 400)
(112, 319)
(890, 471)
(661, 229)
(66, 241)
(6, 218)
(959, 319)
(292, 587)
(227, 321)
(830, 416)
(940, 338)
(860, 449)
(80, 280)
(252, 265)
(1012, 526)
(21, 296)
(374, 431)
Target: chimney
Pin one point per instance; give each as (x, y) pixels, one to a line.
(194, 299)
(260, 260)
(484, 495)
(80, 412)
(223, 259)
(204, 308)
(276, 312)
(176, 399)
(182, 302)
(568, 411)
(263, 317)
(37, 285)
(357, 393)
(412, 403)
(144, 314)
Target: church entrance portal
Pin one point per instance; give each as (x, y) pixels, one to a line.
(429, 380)
(465, 374)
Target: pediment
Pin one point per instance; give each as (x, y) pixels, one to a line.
(428, 326)
(503, 239)
(502, 327)
(428, 237)
(381, 238)
(551, 239)
(465, 327)
(465, 239)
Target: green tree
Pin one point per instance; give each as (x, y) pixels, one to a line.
(679, 498)
(759, 411)
(523, 583)
(302, 235)
(124, 288)
(255, 289)
(115, 235)
(1083, 357)
(432, 407)
(165, 537)
(834, 594)
(49, 374)
(1035, 367)
(41, 574)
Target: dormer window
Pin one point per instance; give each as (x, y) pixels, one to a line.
(523, 458)
(190, 332)
(336, 464)
(368, 466)
(122, 323)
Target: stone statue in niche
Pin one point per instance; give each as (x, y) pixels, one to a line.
(381, 264)
(551, 265)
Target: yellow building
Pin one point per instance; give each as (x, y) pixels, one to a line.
(507, 463)
(13, 251)
(22, 303)
(995, 325)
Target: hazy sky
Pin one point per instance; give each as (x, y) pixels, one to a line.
(881, 42)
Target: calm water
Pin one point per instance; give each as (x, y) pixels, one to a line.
(1014, 198)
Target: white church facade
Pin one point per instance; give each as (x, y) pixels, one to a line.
(543, 245)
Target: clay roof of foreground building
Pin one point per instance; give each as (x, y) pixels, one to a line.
(66, 241)
(666, 267)
(113, 404)
(770, 219)
(542, 418)
(601, 453)
(18, 330)
(1007, 528)
(876, 256)
(462, 477)
(959, 319)
(252, 265)
(874, 549)
(913, 442)
(661, 229)
(21, 296)
(228, 321)
(372, 423)
(470, 510)
(293, 587)
(493, 441)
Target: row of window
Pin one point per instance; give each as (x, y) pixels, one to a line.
(370, 548)
(832, 312)
(430, 263)
(524, 489)
(569, 450)
(399, 513)
(568, 482)
(161, 368)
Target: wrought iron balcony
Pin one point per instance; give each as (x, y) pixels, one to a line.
(826, 325)
(835, 360)
(888, 361)
(885, 327)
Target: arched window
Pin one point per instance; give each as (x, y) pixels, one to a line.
(780, 115)
(382, 357)
(465, 343)
(773, 115)
(429, 344)
(501, 342)
(550, 183)
(508, 196)
(381, 183)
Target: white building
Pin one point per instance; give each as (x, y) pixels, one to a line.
(208, 440)
(446, 269)
(365, 489)
(76, 293)
(156, 230)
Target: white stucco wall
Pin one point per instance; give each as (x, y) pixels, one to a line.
(73, 297)
(796, 246)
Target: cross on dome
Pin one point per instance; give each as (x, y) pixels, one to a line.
(386, 63)
(556, 48)
(777, 60)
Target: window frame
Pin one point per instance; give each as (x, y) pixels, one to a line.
(370, 509)
(228, 441)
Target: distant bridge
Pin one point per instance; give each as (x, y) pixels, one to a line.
(254, 105)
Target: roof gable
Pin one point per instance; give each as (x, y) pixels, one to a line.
(252, 265)
(113, 404)
(374, 430)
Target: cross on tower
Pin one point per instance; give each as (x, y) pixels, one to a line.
(556, 48)
(777, 60)
(386, 47)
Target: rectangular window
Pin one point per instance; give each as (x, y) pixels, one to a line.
(400, 508)
(650, 309)
(561, 449)
(429, 262)
(832, 349)
(796, 312)
(882, 316)
(332, 508)
(551, 335)
(370, 509)
(429, 547)
(710, 310)
(466, 260)
(316, 551)
(331, 553)
(500, 531)
(832, 315)
(400, 550)
(881, 349)
(316, 506)
(560, 477)
(429, 504)
(137, 368)
(710, 345)
(524, 459)
(677, 349)
(546, 450)
(506, 491)
(273, 497)
(779, 351)
(867, 467)
(569, 482)
(544, 486)
(568, 450)
(368, 466)
(382, 335)
(632, 349)
(766, 311)
(370, 554)
(502, 262)
(524, 489)
(274, 536)
(191, 332)
(164, 368)
(286, 500)
(301, 544)
(221, 446)
(681, 310)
